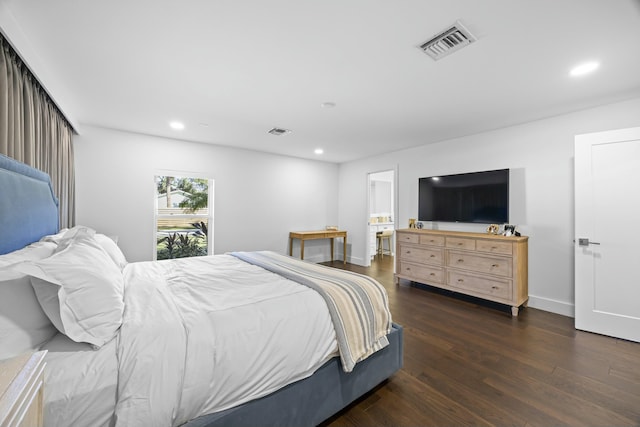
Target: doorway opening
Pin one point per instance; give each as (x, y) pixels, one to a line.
(381, 216)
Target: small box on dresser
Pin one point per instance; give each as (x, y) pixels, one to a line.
(21, 390)
(482, 265)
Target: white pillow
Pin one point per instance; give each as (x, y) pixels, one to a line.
(107, 243)
(64, 239)
(23, 324)
(111, 248)
(80, 289)
(55, 238)
(33, 252)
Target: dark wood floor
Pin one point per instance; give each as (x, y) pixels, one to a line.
(470, 364)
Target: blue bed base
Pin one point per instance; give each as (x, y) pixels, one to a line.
(312, 400)
(28, 206)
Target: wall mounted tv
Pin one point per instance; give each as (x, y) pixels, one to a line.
(478, 197)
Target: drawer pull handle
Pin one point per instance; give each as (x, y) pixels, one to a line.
(460, 260)
(459, 243)
(432, 256)
(460, 280)
(495, 266)
(432, 274)
(494, 287)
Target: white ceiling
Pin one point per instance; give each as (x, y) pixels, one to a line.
(233, 69)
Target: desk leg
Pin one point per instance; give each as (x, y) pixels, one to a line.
(332, 239)
(344, 251)
(290, 246)
(301, 248)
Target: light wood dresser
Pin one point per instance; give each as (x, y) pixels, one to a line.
(21, 389)
(477, 264)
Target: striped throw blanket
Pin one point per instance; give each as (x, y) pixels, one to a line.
(358, 304)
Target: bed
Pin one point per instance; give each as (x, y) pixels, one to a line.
(245, 338)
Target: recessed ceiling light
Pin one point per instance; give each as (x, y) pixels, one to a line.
(328, 105)
(584, 68)
(318, 151)
(175, 125)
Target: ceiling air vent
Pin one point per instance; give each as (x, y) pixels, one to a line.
(448, 41)
(279, 131)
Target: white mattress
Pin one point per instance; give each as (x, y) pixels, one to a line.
(200, 335)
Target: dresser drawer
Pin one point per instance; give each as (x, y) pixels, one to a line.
(480, 263)
(421, 254)
(493, 287)
(407, 237)
(504, 248)
(432, 240)
(422, 272)
(461, 243)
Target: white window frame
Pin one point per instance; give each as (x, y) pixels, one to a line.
(209, 216)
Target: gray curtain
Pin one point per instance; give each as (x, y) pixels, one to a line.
(34, 131)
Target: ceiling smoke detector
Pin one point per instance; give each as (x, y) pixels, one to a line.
(279, 131)
(448, 41)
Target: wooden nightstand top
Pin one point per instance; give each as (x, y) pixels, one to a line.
(21, 381)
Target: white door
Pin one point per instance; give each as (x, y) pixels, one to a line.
(607, 233)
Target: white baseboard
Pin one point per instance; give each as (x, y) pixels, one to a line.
(318, 258)
(357, 261)
(554, 306)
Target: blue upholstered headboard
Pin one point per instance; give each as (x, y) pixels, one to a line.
(28, 207)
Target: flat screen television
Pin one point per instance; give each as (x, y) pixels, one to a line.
(478, 197)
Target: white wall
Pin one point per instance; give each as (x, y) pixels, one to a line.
(54, 87)
(540, 156)
(259, 197)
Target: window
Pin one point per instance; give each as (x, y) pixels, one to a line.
(184, 218)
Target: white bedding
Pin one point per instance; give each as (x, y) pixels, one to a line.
(80, 383)
(199, 335)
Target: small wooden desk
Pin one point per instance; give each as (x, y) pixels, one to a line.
(320, 234)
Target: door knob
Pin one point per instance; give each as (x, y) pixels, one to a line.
(583, 241)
